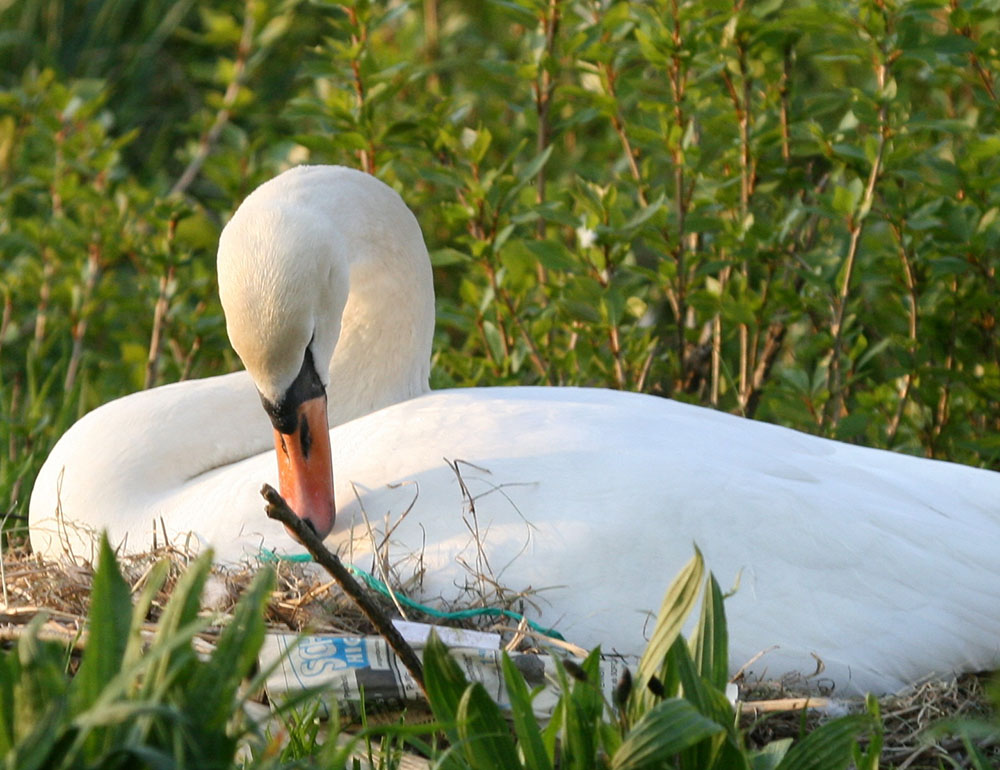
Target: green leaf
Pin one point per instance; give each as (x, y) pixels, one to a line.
(530, 170)
(671, 726)
(770, 756)
(526, 727)
(212, 690)
(643, 214)
(108, 622)
(552, 254)
(445, 684)
(710, 641)
(482, 730)
(179, 614)
(447, 256)
(153, 583)
(846, 197)
(869, 759)
(677, 605)
(828, 747)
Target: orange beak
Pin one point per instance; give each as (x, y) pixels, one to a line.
(305, 467)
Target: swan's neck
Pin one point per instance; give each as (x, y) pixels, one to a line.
(383, 353)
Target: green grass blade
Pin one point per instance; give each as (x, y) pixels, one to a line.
(668, 728)
(710, 642)
(711, 702)
(526, 727)
(869, 758)
(216, 684)
(677, 605)
(181, 611)
(38, 701)
(485, 738)
(770, 756)
(108, 623)
(10, 675)
(828, 747)
(577, 729)
(445, 684)
(154, 582)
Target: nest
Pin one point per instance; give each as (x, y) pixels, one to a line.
(306, 600)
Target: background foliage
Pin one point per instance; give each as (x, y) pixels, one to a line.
(786, 208)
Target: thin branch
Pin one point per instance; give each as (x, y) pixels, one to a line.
(210, 137)
(911, 288)
(618, 123)
(855, 226)
(79, 329)
(278, 510)
(977, 65)
(160, 313)
(359, 40)
(544, 87)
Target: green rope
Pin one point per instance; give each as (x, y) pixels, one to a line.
(377, 585)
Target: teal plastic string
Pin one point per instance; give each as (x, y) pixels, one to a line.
(377, 585)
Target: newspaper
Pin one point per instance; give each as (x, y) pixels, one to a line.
(347, 668)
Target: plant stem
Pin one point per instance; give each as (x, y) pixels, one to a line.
(856, 220)
(210, 137)
(544, 87)
(91, 271)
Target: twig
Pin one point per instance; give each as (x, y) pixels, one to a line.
(159, 322)
(76, 639)
(544, 88)
(278, 510)
(79, 327)
(208, 139)
(785, 704)
(855, 223)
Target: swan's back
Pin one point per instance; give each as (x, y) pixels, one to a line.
(880, 564)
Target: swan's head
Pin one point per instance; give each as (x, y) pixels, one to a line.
(283, 293)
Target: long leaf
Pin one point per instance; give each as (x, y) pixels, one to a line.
(212, 694)
(153, 583)
(579, 739)
(181, 611)
(770, 756)
(485, 739)
(108, 623)
(529, 735)
(712, 704)
(710, 642)
(677, 604)
(668, 728)
(828, 747)
(445, 684)
(10, 674)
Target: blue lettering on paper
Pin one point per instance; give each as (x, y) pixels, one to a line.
(332, 653)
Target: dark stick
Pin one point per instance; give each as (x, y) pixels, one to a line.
(278, 509)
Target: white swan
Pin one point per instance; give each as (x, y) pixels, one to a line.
(883, 565)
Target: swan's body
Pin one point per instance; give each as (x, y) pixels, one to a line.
(882, 565)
